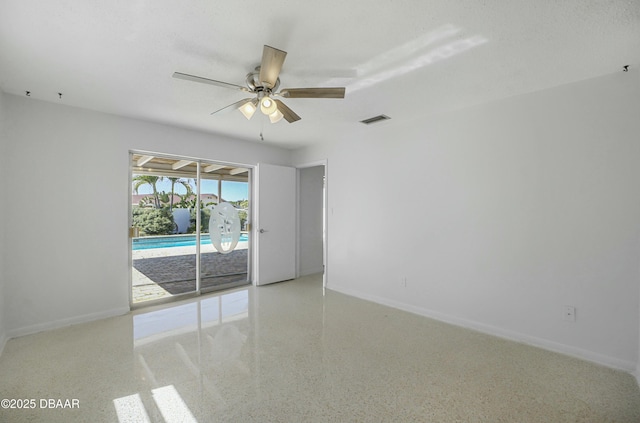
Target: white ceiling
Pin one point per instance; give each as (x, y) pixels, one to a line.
(399, 58)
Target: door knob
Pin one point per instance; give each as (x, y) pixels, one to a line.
(262, 231)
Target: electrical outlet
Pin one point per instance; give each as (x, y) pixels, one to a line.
(569, 313)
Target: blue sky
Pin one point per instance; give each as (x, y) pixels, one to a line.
(231, 191)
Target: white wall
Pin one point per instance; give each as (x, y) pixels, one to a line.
(69, 256)
(3, 177)
(310, 198)
(499, 215)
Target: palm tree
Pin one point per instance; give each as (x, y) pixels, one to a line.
(140, 180)
(184, 183)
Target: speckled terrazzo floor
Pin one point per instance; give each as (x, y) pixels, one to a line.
(288, 353)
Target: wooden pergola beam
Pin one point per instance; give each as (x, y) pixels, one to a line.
(238, 170)
(180, 164)
(143, 160)
(212, 168)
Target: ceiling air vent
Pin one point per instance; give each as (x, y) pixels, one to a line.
(375, 119)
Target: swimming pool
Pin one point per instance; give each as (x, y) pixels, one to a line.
(170, 241)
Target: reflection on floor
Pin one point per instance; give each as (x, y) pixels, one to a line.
(292, 352)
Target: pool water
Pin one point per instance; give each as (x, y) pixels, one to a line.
(148, 242)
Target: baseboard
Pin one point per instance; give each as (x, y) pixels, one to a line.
(591, 356)
(40, 327)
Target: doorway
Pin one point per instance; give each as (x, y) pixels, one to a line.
(312, 194)
(188, 226)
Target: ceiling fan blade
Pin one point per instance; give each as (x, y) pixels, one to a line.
(235, 105)
(187, 77)
(272, 60)
(336, 92)
(287, 113)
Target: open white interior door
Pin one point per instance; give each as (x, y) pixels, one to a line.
(275, 229)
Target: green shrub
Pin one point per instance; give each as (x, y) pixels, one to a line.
(153, 221)
(205, 214)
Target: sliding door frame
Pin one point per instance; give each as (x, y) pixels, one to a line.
(198, 288)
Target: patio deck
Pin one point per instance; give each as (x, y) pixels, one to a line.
(163, 272)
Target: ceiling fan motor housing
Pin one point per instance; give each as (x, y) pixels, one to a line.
(255, 85)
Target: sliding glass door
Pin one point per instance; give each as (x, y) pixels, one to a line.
(174, 201)
(224, 258)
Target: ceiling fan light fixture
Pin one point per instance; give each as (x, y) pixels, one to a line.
(267, 105)
(276, 116)
(263, 83)
(248, 109)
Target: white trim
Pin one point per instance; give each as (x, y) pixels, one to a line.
(594, 357)
(129, 226)
(57, 324)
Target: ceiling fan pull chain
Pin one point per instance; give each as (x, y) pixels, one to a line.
(261, 129)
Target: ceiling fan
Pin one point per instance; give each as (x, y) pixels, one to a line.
(264, 82)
